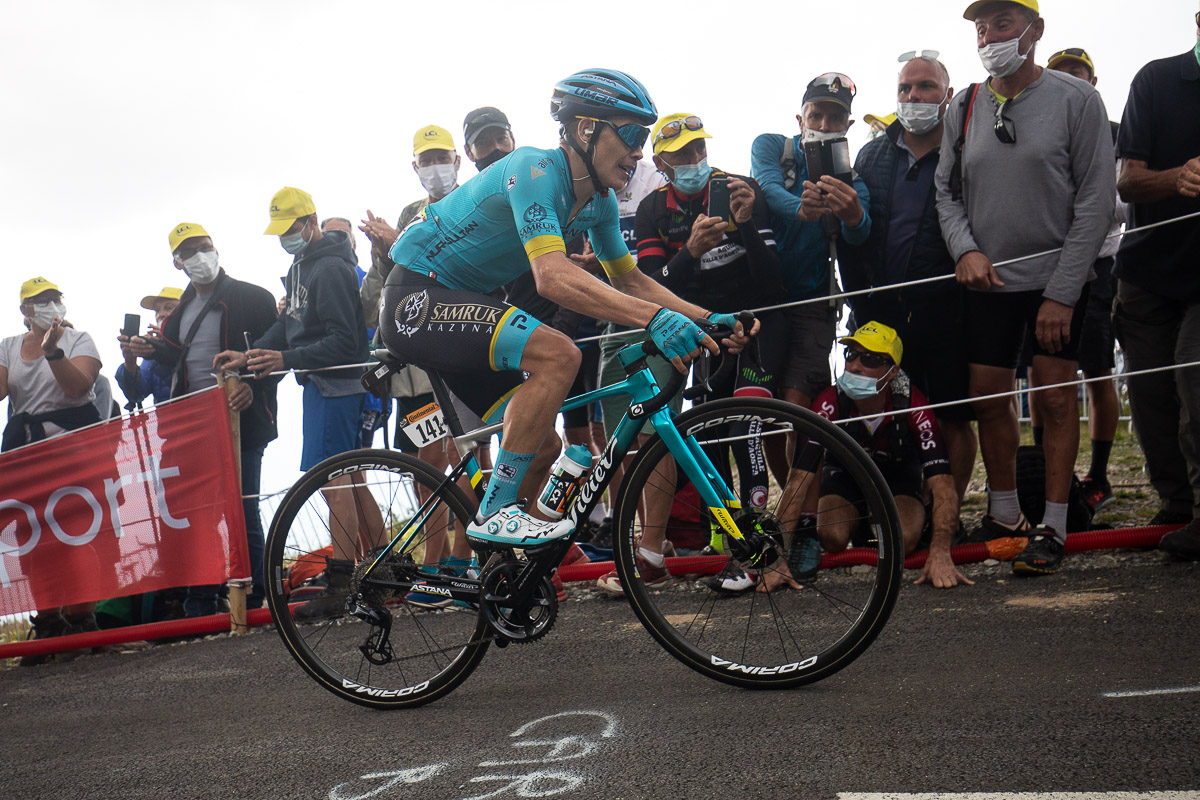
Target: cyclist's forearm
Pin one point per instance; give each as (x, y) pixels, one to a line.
(569, 286)
(638, 284)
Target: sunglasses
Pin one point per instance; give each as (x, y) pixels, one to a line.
(633, 135)
(869, 360)
(673, 129)
(836, 80)
(1006, 130)
(928, 55)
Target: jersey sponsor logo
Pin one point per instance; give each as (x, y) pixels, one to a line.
(535, 173)
(512, 181)
(725, 253)
(544, 163)
(535, 213)
(411, 314)
(465, 312)
(456, 236)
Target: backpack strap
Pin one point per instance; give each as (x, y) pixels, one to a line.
(967, 105)
(787, 160)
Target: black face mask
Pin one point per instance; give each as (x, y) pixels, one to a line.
(489, 159)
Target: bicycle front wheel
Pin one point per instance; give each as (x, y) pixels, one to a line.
(346, 509)
(711, 607)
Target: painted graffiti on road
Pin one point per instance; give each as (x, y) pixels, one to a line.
(539, 743)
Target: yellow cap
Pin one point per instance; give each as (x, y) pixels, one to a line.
(876, 121)
(877, 338)
(167, 293)
(690, 128)
(184, 230)
(35, 286)
(287, 206)
(1072, 54)
(973, 9)
(431, 137)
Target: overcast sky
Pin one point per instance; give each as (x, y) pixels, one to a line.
(122, 119)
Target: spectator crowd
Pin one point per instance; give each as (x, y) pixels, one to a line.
(978, 232)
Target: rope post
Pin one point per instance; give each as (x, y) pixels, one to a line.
(238, 586)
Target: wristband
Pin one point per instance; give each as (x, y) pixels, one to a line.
(56, 355)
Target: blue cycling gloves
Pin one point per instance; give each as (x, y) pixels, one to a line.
(675, 334)
(725, 320)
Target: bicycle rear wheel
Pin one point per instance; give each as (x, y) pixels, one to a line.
(362, 498)
(731, 630)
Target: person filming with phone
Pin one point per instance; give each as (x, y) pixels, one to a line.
(814, 198)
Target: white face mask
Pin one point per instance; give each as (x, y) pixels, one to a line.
(44, 314)
(438, 179)
(822, 136)
(919, 118)
(1002, 59)
(202, 268)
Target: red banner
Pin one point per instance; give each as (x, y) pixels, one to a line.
(134, 505)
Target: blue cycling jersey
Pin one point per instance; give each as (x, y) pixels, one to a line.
(486, 232)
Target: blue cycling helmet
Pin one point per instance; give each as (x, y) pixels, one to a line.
(601, 93)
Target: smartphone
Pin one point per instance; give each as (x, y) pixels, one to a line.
(133, 325)
(828, 158)
(718, 197)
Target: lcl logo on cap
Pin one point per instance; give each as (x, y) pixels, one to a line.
(274, 209)
(430, 134)
(182, 228)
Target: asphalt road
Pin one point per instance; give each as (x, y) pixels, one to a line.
(1002, 687)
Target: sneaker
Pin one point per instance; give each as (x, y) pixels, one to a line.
(1042, 555)
(731, 580)
(45, 626)
(1183, 543)
(652, 576)
(1097, 493)
(513, 527)
(331, 602)
(1166, 517)
(990, 528)
(602, 536)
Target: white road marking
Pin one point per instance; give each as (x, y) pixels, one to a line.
(1184, 795)
(1149, 692)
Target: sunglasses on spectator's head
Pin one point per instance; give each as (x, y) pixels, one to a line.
(1005, 128)
(928, 55)
(835, 79)
(868, 359)
(673, 129)
(633, 135)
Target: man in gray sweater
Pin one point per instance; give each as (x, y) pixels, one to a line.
(1026, 168)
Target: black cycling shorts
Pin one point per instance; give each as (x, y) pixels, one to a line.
(472, 340)
(903, 479)
(586, 380)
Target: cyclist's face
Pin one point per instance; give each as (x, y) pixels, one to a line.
(613, 159)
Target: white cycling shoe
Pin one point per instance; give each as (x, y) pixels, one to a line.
(513, 527)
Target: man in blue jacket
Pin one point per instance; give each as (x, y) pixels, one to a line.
(801, 214)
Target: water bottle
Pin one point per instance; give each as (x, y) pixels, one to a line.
(565, 479)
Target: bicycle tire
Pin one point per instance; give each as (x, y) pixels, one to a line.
(435, 650)
(757, 640)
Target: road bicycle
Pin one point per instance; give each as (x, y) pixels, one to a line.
(383, 651)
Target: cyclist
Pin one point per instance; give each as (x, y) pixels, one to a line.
(512, 218)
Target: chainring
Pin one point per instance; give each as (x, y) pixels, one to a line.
(511, 619)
